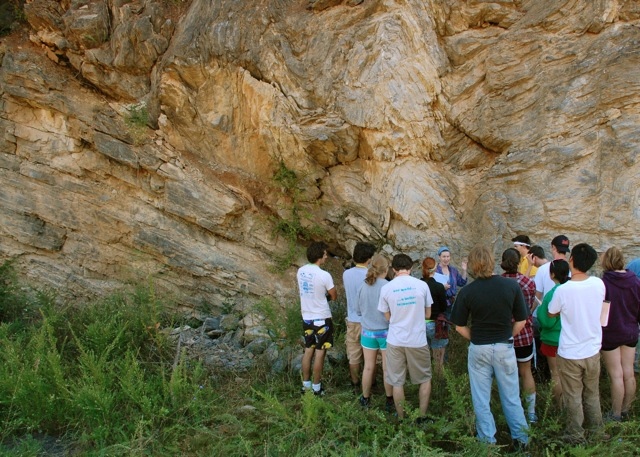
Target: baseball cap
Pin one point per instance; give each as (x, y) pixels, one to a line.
(561, 243)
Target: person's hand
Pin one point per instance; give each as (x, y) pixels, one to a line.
(463, 265)
(447, 286)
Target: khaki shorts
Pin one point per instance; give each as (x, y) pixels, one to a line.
(352, 342)
(416, 360)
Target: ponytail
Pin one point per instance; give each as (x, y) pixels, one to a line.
(379, 265)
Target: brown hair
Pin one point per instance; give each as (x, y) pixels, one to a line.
(428, 267)
(510, 260)
(481, 262)
(613, 259)
(379, 265)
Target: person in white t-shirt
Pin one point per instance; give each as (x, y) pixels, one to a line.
(406, 303)
(579, 304)
(537, 257)
(315, 286)
(544, 283)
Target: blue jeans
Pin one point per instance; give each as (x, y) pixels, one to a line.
(499, 360)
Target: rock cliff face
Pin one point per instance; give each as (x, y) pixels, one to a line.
(141, 138)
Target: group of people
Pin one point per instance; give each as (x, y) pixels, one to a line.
(573, 317)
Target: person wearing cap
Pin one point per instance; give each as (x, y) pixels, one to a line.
(456, 279)
(522, 243)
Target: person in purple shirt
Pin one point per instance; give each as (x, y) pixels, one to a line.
(456, 278)
(634, 266)
(620, 336)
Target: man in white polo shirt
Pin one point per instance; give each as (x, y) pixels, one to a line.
(406, 303)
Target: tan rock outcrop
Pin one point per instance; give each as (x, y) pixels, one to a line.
(411, 124)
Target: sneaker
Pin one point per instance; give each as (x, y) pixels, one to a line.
(624, 416)
(390, 406)
(532, 418)
(596, 436)
(422, 420)
(304, 390)
(521, 447)
(610, 417)
(365, 402)
(319, 393)
(573, 440)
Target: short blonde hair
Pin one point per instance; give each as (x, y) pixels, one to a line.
(613, 259)
(481, 262)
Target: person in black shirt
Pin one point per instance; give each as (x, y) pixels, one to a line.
(437, 328)
(491, 302)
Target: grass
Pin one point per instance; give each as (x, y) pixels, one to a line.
(100, 380)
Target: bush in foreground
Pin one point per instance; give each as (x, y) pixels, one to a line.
(103, 379)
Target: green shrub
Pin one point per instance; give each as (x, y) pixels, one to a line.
(283, 322)
(16, 307)
(298, 223)
(136, 119)
(105, 380)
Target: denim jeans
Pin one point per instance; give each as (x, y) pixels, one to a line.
(486, 362)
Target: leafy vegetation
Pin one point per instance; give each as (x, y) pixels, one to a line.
(11, 13)
(297, 224)
(137, 119)
(102, 379)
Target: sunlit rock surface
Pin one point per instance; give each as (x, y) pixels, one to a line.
(410, 124)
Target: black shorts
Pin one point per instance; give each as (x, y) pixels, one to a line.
(611, 348)
(524, 353)
(318, 333)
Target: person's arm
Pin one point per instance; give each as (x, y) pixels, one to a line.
(441, 296)
(554, 307)
(428, 301)
(462, 277)
(517, 327)
(544, 321)
(463, 267)
(387, 315)
(530, 297)
(464, 331)
(333, 294)
(358, 307)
